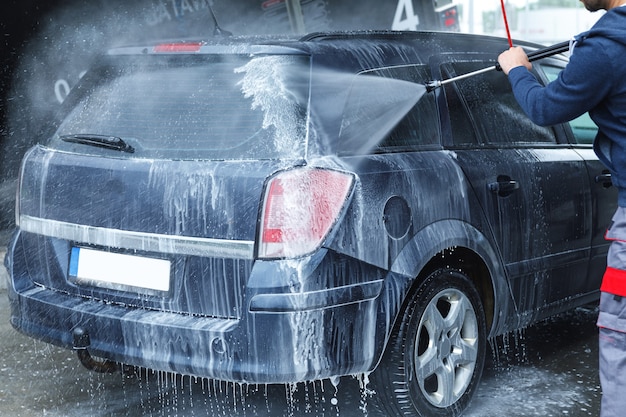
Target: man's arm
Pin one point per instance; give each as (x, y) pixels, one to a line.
(579, 88)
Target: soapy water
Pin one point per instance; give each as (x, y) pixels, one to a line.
(278, 90)
(548, 369)
(369, 106)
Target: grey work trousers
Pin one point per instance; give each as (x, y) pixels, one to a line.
(612, 326)
(613, 372)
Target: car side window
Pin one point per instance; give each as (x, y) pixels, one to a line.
(463, 130)
(491, 107)
(420, 127)
(583, 128)
(415, 127)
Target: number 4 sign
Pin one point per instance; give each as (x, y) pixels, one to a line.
(405, 18)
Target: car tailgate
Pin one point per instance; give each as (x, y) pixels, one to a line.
(200, 216)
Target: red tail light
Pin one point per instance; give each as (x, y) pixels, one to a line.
(299, 210)
(178, 47)
(450, 19)
(269, 3)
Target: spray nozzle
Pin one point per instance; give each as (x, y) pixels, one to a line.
(432, 85)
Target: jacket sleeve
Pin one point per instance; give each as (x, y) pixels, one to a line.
(584, 82)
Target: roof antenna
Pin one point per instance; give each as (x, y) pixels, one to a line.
(218, 31)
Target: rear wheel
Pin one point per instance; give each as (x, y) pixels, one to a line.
(435, 358)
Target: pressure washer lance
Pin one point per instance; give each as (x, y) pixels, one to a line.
(532, 56)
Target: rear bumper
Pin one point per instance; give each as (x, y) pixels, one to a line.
(280, 338)
(270, 348)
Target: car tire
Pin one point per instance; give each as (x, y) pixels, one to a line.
(435, 357)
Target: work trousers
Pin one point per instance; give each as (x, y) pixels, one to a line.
(612, 327)
(612, 373)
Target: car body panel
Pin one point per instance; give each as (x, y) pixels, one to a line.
(581, 132)
(554, 245)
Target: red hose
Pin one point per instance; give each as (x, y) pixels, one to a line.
(506, 23)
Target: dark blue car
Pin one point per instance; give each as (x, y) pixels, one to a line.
(270, 210)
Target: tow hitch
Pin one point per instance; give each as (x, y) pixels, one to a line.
(81, 345)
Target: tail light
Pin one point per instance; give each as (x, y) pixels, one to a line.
(450, 19)
(299, 210)
(178, 47)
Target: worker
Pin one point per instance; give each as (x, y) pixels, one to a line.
(593, 81)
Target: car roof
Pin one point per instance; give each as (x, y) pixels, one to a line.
(360, 49)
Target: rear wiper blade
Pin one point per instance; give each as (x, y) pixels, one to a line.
(101, 141)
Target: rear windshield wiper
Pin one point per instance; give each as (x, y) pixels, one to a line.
(101, 141)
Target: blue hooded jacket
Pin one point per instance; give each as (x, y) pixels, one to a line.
(593, 81)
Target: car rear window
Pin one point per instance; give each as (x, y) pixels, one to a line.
(212, 106)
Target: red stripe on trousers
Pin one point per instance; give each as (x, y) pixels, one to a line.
(614, 281)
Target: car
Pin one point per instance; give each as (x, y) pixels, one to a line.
(282, 209)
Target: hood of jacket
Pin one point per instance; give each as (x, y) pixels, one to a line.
(612, 26)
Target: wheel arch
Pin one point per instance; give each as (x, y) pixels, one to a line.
(458, 245)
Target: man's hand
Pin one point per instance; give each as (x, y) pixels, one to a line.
(514, 57)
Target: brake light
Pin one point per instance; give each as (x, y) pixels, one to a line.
(269, 3)
(450, 19)
(178, 47)
(299, 210)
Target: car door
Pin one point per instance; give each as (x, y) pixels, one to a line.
(581, 133)
(534, 190)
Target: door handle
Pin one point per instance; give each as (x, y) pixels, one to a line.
(604, 179)
(504, 186)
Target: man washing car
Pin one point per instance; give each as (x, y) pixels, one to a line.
(594, 81)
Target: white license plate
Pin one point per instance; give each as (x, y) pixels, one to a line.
(119, 271)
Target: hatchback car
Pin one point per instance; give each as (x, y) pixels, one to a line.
(273, 210)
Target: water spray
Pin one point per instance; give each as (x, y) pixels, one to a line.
(533, 56)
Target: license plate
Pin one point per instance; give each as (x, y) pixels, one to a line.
(119, 271)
